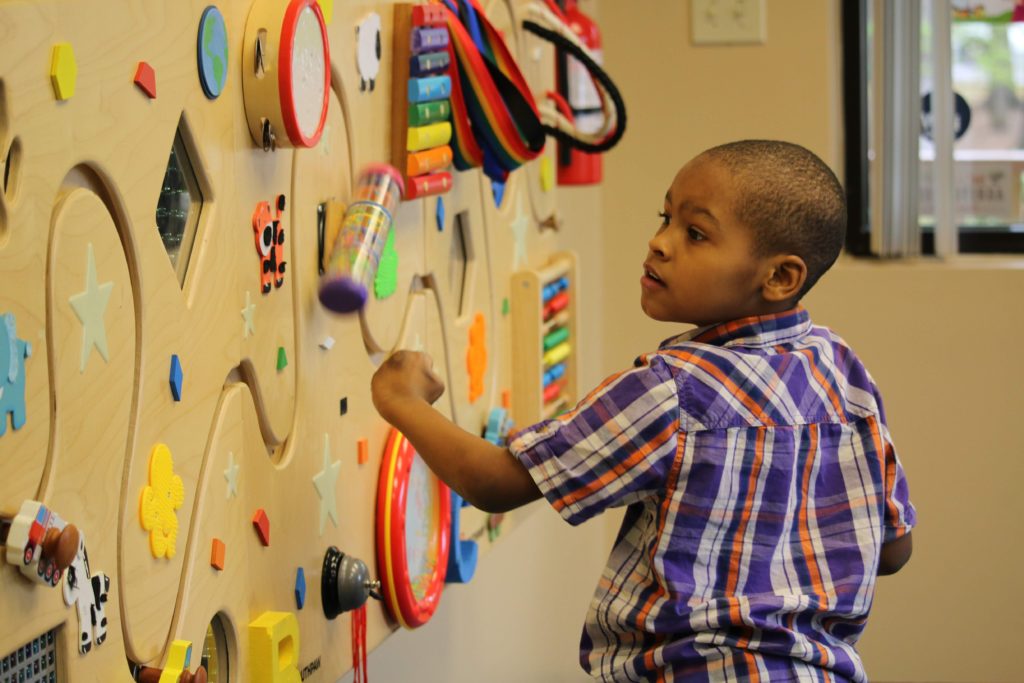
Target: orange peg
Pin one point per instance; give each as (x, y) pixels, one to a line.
(429, 160)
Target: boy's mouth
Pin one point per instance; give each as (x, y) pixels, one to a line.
(651, 279)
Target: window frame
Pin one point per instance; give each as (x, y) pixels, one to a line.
(1005, 238)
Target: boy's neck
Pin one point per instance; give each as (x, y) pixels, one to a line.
(770, 308)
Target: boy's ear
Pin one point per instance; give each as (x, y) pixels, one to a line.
(786, 277)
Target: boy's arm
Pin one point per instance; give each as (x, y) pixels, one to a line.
(895, 554)
(486, 475)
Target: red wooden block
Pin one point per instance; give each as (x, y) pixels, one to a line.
(428, 15)
(262, 524)
(217, 554)
(427, 185)
(145, 78)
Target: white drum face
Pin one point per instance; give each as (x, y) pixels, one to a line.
(420, 518)
(308, 72)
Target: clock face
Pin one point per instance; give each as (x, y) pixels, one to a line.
(305, 72)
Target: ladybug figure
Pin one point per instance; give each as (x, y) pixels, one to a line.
(269, 243)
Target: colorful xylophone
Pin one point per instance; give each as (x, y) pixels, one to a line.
(421, 110)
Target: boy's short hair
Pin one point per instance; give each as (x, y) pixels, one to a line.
(791, 200)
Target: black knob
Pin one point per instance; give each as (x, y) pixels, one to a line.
(344, 583)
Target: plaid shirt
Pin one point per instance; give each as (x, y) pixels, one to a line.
(761, 483)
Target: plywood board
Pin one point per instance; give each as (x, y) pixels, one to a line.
(78, 217)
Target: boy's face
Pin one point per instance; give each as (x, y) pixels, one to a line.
(701, 267)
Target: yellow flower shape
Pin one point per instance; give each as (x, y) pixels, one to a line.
(164, 495)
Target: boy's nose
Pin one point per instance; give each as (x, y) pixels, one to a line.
(656, 247)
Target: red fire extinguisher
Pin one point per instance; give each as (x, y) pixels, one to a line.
(578, 89)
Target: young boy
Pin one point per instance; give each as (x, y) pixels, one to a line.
(764, 492)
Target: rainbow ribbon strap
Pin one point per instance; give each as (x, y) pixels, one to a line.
(495, 118)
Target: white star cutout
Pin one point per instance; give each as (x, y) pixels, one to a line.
(231, 474)
(519, 225)
(325, 482)
(247, 313)
(90, 306)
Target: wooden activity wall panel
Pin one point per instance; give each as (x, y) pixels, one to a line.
(187, 440)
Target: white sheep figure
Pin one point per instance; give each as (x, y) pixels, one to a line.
(368, 51)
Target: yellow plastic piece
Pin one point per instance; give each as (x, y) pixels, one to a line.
(159, 500)
(63, 71)
(274, 648)
(327, 7)
(547, 174)
(425, 137)
(476, 357)
(178, 659)
(557, 354)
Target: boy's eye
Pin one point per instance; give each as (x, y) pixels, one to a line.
(695, 234)
(665, 216)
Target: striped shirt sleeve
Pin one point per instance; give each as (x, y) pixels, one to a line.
(615, 448)
(900, 515)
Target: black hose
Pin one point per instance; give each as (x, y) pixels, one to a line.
(599, 74)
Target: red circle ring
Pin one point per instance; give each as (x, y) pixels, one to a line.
(284, 72)
(392, 495)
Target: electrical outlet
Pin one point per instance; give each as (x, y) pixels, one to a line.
(727, 22)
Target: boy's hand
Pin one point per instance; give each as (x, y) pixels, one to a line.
(403, 376)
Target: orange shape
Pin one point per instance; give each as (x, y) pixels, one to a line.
(145, 78)
(476, 357)
(506, 399)
(364, 451)
(262, 524)
(217, 554)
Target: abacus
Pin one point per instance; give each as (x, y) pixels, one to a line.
(543, 310)
(420, 92)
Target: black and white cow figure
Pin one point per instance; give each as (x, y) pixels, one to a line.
(89, 593)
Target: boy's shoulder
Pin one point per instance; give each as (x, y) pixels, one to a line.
(813, 377)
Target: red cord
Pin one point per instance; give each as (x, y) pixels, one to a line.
(359, 645)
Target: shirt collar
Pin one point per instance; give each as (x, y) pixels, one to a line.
(756, 330)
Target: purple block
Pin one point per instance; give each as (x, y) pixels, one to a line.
(429, 39)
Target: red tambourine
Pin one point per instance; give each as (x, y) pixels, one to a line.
(286, 73)
(304, 76)
(413, 525)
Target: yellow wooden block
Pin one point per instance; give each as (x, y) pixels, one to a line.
(547, 174)
(425, 137)
(63, 71)
(274, 648)
(178, 659)
(327, 7)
